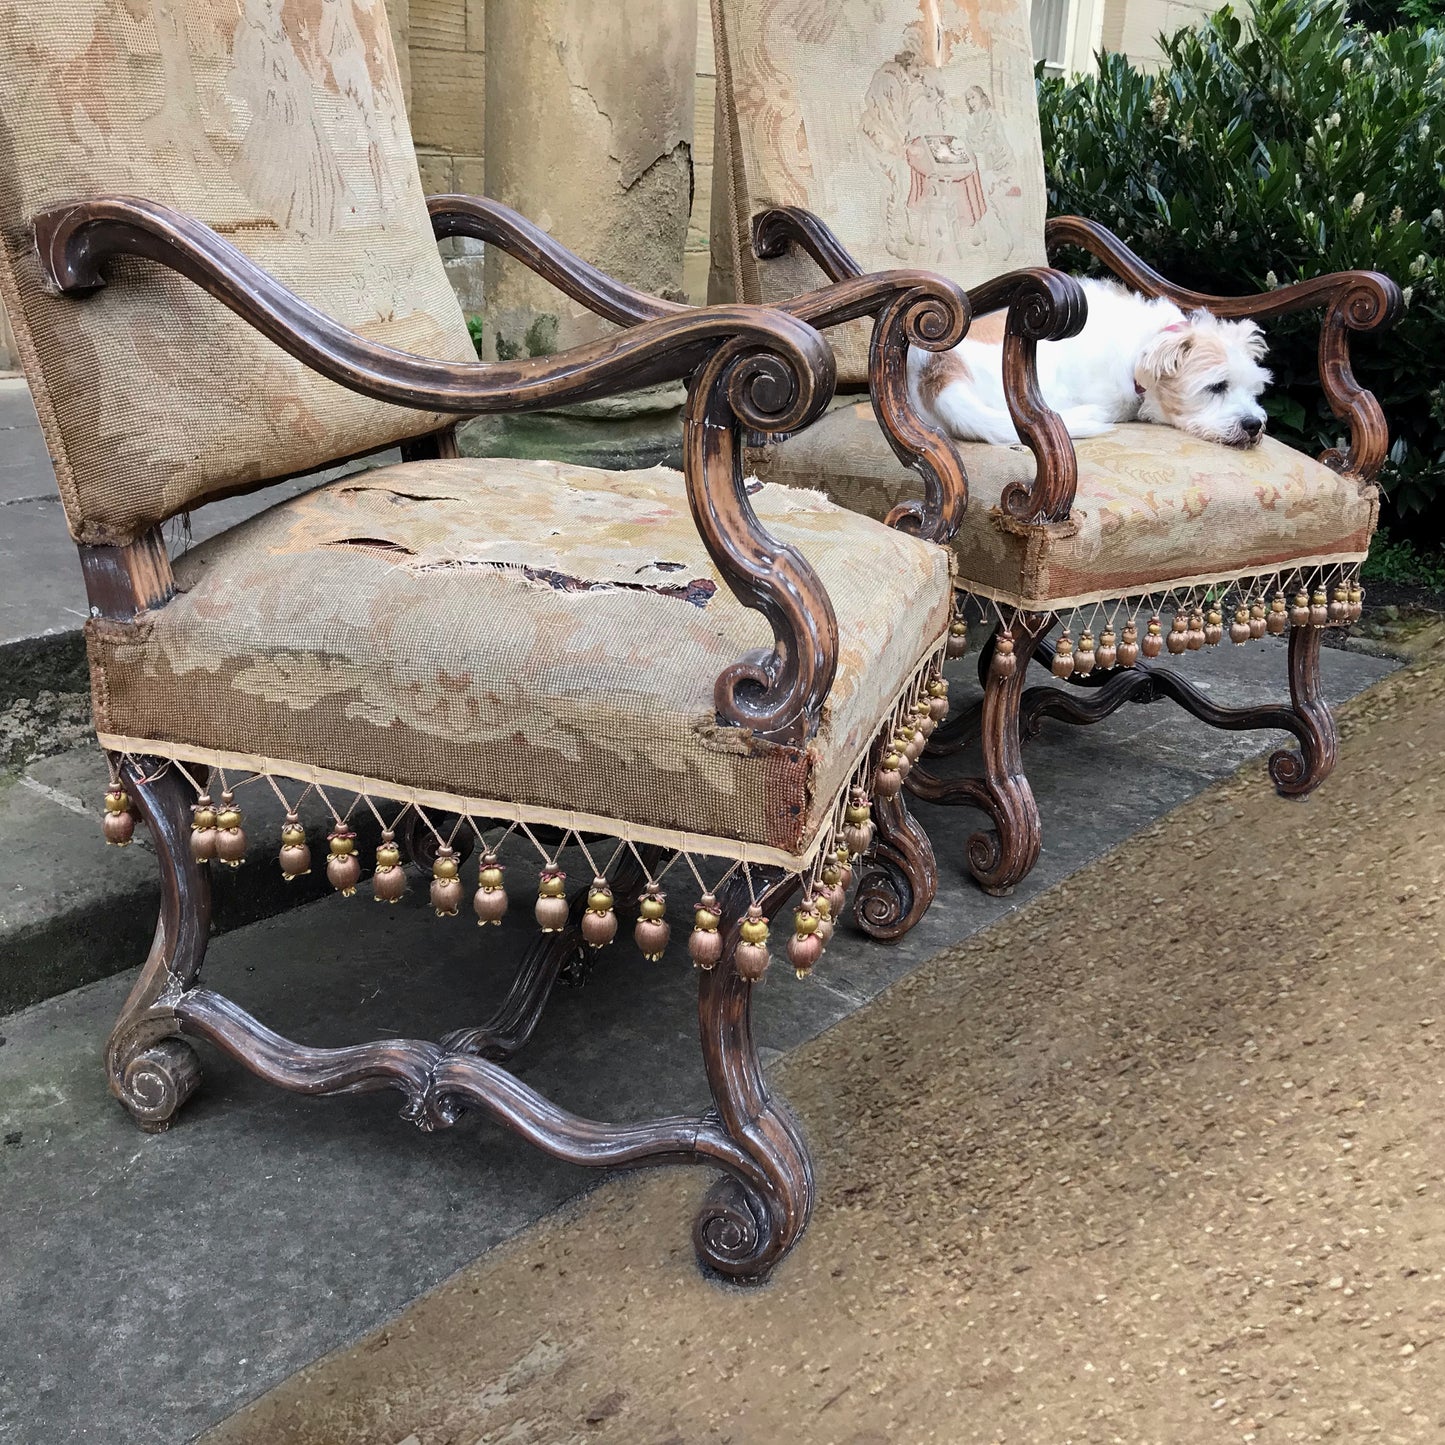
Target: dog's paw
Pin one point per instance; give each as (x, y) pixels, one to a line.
(1086, 421)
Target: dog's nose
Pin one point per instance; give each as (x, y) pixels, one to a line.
(1251, 427)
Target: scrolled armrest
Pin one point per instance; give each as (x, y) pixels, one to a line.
(1043, 305)
(74, 241)
(490, 221)
(910, 308)
(783, 226)
(746, 367)
(1361, 301)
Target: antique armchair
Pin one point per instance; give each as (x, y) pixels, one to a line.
(214, 285)
(911, 131)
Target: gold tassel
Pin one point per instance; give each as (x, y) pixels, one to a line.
(203, 829)
(1129, 645)
(343, 867)
(938, 699)
(446, 882)
(705, 944)
(1239, 630)
(1319, 608)
(652, 930)
(489, 902)
(1194, 637)
(230, 836)
(1063, 664)
(1004, 663)
(1084, 658)
(1107, 651)
(888, 780)
(957, 638)
(1214, 628)
(1153, 643)
(825, 919)
(805, 948)
(751, 958)
(858, 832)
(552, 910)
(1256, 620)
(599, 922)
(1179, 634)
(388, 882)
(295, 855)
(118, 824)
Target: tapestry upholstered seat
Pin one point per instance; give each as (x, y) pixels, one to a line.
(1151, 504)
(505, 636)
(907, 132)
(222, 272)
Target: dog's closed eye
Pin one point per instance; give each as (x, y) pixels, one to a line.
(1219, 388)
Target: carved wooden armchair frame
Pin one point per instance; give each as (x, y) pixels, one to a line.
(748, 370)
(1045, 304)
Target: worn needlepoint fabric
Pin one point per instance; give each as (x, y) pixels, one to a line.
(1155, 509)
(518, 631)
(910, 126)
(280, 125)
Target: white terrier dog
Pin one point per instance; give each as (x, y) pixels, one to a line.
(1135, 360)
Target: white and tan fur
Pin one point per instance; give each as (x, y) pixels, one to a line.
(1136, 359)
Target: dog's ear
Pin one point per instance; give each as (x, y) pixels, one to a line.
(1166, 353)
(1255, 345)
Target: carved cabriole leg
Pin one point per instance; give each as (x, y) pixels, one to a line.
(1001, 858)
(149, 1068)
(899, 876)
(752, 1217)
(506, 1033)
(1307, 716)
(1296, 774)
(957, 732)
(746, 1224)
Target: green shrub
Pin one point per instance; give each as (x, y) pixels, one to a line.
(1272, 152)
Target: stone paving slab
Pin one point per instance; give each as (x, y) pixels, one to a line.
(150, 1286)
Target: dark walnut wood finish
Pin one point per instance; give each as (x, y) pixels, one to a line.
(1044, 305)
(1352, 301)
(748, 369)
(1307, 715)
(1003, 857)
(761, 370)
(746, 1224)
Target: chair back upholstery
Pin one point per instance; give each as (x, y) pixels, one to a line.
(910, 127)
(280, 124)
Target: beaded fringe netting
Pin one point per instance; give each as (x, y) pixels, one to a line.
(1240, 608)
(825, 868)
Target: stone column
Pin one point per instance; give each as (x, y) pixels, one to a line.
(589, 134)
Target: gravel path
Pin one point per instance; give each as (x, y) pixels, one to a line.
(1160, 1157)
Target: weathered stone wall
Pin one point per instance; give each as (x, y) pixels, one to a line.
(589, 133)
(695, 259)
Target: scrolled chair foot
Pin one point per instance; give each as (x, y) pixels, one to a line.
(741, 1233)
(157, 1081)
(899, 875)
(754, 1215)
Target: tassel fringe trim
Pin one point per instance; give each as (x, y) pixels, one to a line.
(456, 826)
